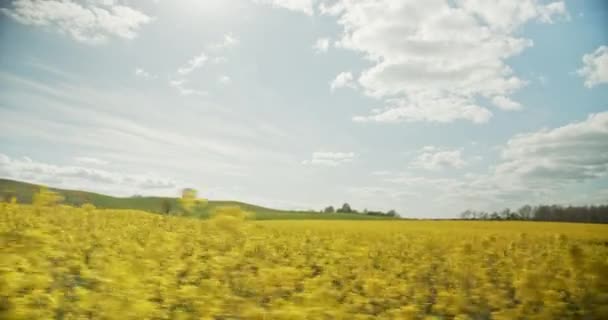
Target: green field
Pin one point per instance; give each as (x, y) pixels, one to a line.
(24, 193)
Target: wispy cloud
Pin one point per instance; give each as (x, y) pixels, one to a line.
(228, 41)
(193, 64)
(91, 161)
(139, 72)
(331, 159)
(180, 86)
(41, 172)
(90, 22)
(303, 6)
(224, 80)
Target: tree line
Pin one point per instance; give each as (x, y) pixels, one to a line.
(346, 208)
(589, 214)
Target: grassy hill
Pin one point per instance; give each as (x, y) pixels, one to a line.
(24, 193)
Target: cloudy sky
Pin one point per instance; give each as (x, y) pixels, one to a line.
(428, 107)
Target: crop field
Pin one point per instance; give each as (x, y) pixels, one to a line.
(62, 262)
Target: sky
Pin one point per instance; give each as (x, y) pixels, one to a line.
(426, 107)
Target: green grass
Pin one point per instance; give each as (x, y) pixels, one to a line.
(24, 193)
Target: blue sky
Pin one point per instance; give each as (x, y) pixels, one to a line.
(425, 107)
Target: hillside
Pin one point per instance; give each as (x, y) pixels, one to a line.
(24, 192)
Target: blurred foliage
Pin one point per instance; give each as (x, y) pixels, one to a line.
(61, 262)
(189, 201)
(46, 198)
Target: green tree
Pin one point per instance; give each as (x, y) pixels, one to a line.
(166, 206)
(345, 208)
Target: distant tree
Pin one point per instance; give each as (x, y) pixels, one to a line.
(505, 214)
(525, 212)
(391, 213)
(468, 214)
(345, 208)
(166, 206)
(329, 209)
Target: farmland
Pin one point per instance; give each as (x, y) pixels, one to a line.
(24, 192)
(63, 262)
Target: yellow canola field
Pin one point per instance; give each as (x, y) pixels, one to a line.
(84, 263)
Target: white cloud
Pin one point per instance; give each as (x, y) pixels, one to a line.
(427, 106)
(541, 167)
(90, 161)
(224, 80)
(304, 6)
(331, 159)
(144, 74)
(434, 158)
(505, 103)
(434, 60)
(374, 192)
(321, 45)
(90, 22)
(537, 166)
(73, 176)
(595, 67)
(574, 152)
(343, 80)
(180, 86)
(193, 64)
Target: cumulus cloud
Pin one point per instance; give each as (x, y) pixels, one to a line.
(574, 152)
(435, 60)
(322, 45)
(91, 22)
(72, 176)
(343, 80)
(193, 64)
(330, 159)
(304, 6)
(595, 67)
(434, 158)
(538, 164)
(536, 167)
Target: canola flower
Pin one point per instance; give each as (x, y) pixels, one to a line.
(61, 262)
